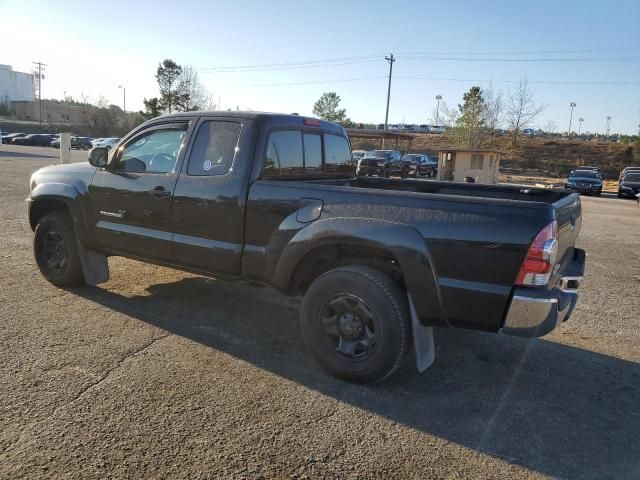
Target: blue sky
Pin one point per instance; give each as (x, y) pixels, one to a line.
(92, 47)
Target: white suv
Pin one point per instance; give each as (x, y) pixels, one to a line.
(107, 143)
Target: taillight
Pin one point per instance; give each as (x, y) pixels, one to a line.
(313, 122)
(541, 257)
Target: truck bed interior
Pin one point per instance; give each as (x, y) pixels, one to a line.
(509, 192)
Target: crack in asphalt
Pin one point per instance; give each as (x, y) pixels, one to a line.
(85, 390)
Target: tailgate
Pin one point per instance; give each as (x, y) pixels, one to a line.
(569, 218)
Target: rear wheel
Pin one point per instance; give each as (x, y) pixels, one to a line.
(56, 250)
(355, 322)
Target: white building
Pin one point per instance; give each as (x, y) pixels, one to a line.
(15, 85)
(465, 164)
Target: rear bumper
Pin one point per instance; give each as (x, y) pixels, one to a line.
(534, 313)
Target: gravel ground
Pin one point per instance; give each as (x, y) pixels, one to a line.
(162, 374)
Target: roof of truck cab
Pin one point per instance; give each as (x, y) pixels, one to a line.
(279, 118)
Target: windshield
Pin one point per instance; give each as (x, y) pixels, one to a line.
(379, 153)
(585, 174)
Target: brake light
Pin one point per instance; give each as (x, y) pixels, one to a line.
(541, 257)
(314, 122)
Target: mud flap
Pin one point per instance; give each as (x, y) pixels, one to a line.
(423, 346)
(94, 265)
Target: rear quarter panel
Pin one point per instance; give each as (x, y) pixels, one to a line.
(476, 245)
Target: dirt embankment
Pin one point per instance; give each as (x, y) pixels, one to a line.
(555, 156)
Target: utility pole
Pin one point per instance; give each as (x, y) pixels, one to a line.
(389, 59)
(38, 72)
(580, 120)
(572, 105)
(438, 98)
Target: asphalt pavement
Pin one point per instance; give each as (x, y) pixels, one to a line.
(164, 374)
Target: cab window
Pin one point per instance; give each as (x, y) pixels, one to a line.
(214, 148)
(155, 151)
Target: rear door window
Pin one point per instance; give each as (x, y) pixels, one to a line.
(214, 148)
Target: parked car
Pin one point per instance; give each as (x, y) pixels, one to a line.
(629, 186)
(356, 155)
(421, 165)
(384, 163)
(380, 126)
(393, 127)
(437, 129)
(628, 170)
(35, 139)
(529, 132)
(83, 143)
(107, 143)
(10, 137)
(378, 262)
(96, 140)
(423, 128)
(585, 181)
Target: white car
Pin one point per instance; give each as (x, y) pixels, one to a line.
(107, 143)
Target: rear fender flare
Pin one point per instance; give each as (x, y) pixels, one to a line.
(403, 242)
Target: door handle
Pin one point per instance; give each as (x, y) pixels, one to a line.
(160, 192)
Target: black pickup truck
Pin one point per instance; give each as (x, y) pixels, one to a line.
(272, 199)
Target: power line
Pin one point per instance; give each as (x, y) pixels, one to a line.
(407, 77)
(314, 82)
(350, 60)
(539, 82)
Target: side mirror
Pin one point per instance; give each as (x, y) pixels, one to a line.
(98, 157)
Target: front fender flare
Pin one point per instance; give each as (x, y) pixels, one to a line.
(403, 242)
(67, 194)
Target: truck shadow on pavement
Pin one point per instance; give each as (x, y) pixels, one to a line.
(13, 154)
(552, 408)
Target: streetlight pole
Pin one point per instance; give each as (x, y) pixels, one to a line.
(124, 104)
(608, 126)
(389, 59)
(580, 120)
(124, 98)
(438, 98)
(572, 105)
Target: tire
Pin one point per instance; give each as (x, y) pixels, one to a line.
(370, 311)
(403, 173)
(56, 251)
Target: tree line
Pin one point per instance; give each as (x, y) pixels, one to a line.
(474, 123)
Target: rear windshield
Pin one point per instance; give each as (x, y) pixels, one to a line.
(296, 153)
(635, 177)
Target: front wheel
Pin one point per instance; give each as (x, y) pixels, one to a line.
(355, 322)
(56, 250)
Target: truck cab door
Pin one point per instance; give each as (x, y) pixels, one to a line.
(131, 197)
(210, 195)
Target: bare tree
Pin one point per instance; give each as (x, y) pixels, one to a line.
(521, 109)
(102, 102)
(193, 94)
(444, 115)
(493, 111)
(550, 127)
